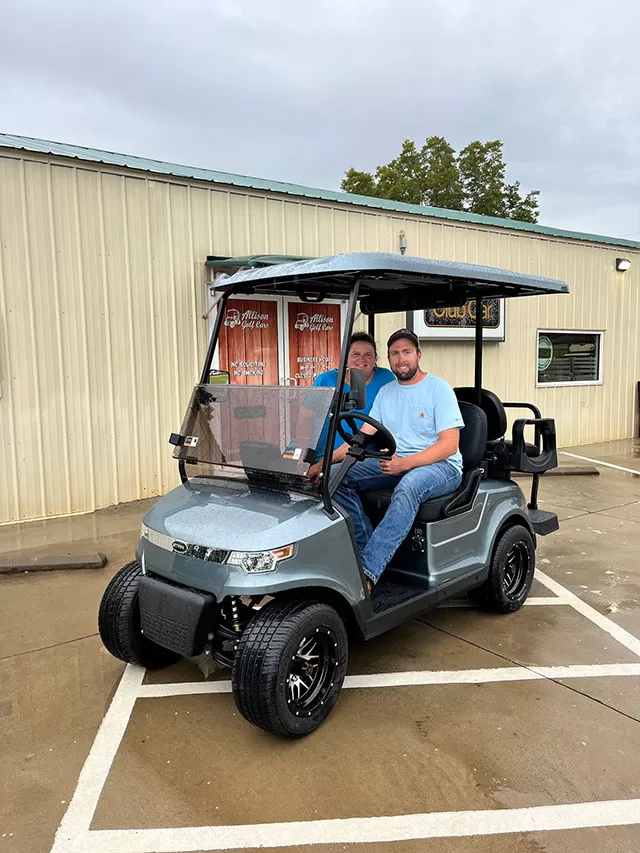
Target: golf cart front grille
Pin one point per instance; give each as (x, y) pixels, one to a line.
(178, 546)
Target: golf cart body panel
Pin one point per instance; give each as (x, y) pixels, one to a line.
(234, 516)
(456, 546)
(223, 518)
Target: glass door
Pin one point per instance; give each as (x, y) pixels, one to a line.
(278, 340)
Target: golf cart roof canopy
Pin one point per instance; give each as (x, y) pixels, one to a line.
(387, 282)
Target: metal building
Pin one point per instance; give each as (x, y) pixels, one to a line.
(103, 288)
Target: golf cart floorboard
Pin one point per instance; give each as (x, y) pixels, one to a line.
(387, 595)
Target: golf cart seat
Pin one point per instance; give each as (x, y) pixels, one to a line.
(515, 454)
(473, 443)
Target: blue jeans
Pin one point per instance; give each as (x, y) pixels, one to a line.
(378, 546)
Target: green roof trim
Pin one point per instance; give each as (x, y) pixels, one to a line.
(60, 149)
(252, 261)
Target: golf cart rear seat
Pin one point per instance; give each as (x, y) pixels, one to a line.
(503, 455)
(473, 445)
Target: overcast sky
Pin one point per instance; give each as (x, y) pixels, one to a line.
(300, 91)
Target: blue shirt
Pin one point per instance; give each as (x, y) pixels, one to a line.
(416, 414)
(381, 376)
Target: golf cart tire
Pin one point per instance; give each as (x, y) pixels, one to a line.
(510, 573)
(119, 623)
(271, 647)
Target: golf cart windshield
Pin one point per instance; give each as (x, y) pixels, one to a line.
(261, 429)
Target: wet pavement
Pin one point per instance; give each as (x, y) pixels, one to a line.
(495, 733)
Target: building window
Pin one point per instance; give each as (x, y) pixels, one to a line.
(569, 358)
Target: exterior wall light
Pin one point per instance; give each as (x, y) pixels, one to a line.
(622, 264)
(403, 243)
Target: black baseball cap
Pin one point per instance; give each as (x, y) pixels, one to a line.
(404, 333)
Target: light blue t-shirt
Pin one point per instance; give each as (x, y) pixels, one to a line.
(416, 414)
(381, 376)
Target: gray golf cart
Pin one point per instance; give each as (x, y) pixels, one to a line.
(250, 562)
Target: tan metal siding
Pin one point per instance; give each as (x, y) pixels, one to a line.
(102, 292)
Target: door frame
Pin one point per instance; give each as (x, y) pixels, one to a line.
(282, 319)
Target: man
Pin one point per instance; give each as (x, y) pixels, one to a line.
(422, 413)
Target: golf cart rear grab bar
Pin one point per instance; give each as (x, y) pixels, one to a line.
(548, 457)
(536, 414)
(530, 406)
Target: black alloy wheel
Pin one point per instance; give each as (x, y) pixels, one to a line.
(515, 570)
(289, 667)
(312, 672)
(510, 572)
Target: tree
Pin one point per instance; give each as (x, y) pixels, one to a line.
(433, 175)
(443, 179)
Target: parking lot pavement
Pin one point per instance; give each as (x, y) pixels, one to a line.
(43, 609)
(460, 731)
(595, 553)
(388, 751)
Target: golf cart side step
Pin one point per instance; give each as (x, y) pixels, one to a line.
(387, 595)
(543, 522)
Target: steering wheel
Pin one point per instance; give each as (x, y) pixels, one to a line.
(380, 445)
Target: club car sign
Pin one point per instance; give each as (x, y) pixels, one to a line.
(457, 323)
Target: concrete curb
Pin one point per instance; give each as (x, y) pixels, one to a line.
(48, 564)
(572, 471)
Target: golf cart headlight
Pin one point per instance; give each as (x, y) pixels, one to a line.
(144, 532)
(260, 561)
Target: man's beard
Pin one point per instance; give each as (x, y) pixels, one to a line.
(407, 375)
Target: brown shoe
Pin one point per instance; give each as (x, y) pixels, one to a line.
(370, 585)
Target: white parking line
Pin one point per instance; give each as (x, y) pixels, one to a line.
(421, 677)
(541, 601)
(77, 820)
(599, 462)
(616, 631)
(365, 830)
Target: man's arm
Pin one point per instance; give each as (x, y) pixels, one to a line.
(445, 446)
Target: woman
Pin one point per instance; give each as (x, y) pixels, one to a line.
(363, 356)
